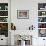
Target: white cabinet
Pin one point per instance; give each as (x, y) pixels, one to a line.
(3, 40)
(4, 21)
(41, 41)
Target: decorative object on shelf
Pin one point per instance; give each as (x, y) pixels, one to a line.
(6, 7)
(3, 19)
(41, 19)
(23, 14)
(45, 7)
(4, 29)
(4, 26)
(41, 6)
(3, 13)
(13, 27)
(42, 32)
(0, 7)
(31, 27)
(40, 25)
(43, 13)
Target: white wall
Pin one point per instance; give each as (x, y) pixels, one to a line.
(23, 24)
(4, 41)
(32, 6)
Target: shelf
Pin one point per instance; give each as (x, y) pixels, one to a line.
(41, 10)
(3, 16)
(3, 10)
(42, 16)
(41, 28)
(41, 22)
(3, 22)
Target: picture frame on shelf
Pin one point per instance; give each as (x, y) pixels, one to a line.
(22, 14)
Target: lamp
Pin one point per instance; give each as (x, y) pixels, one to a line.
(24, 37)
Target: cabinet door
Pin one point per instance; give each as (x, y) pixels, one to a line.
(41, 41)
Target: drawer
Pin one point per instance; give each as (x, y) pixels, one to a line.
(3, 41)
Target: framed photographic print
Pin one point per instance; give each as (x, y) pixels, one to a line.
(23, 14)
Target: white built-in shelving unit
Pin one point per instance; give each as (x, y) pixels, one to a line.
(42, 19)
(4, 19)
